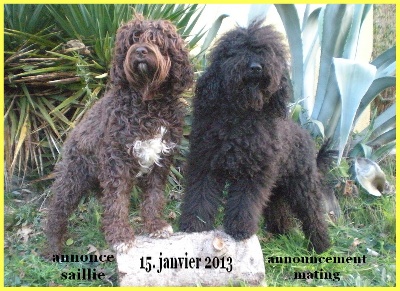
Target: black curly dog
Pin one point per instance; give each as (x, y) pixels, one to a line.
(241, 137)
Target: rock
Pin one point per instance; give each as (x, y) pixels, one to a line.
(192, 259)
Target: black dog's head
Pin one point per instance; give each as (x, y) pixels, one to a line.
(150, 55)
(249, 67)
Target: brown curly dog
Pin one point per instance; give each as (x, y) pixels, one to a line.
(128, 137)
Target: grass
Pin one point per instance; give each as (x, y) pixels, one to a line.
(367, 222)
(362, 227)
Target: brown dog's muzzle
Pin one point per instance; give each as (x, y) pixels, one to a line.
(146, 68)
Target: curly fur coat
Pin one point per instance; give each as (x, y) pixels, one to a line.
(243, 142)
(128, 137)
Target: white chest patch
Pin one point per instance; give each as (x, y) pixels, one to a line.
(148, 152)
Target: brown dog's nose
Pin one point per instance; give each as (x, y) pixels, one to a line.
(141, 51)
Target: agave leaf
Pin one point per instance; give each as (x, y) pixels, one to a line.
(291, 22)
(257, 12)
(382, 118)
(320, 126)
(389, 56)
(384, 122)
(350, 48)
(386, 63)
(389, 124)
(310, 49)
(383, 150)
(366, 10)
(379, 125)
(384, 138)
(376, 87)
(353, 80)
(310, 35)
(332, 39)
(361, 150)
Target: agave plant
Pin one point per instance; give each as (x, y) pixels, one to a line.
(56, 64)
(333, 97)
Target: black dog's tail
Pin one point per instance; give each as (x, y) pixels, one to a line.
(325, 157)
(324, 161)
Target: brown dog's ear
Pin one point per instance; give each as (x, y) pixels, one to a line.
(182, 76)
(181, 72)
(124, 39)
(120, 49)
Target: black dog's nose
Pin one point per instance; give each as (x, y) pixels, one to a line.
(255, 68)
(141, 51)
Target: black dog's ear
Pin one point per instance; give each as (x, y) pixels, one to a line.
(279, 100)
(208, 86)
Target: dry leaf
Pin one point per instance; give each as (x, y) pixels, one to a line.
(348, 188)
(93, 249)
(24, 233)
(356, 242)
(172, 215)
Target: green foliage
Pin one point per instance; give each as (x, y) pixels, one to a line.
(344, 87)
(27, 18)
(56, 63)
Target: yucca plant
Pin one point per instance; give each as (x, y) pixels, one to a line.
(56, 67)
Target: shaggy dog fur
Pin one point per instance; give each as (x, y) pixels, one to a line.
(241, 137)
(128, 136)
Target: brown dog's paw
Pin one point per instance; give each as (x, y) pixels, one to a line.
(123, 247)
(164, 232)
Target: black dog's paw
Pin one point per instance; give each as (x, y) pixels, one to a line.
(239, 235)
(194, 225)
(319, 246)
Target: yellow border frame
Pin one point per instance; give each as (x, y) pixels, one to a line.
(165, 2)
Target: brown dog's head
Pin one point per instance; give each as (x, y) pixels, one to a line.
(151, 56)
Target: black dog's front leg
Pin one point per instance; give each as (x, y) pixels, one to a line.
(201, 201)
(246, 199)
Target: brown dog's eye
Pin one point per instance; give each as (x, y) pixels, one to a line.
(136, 36)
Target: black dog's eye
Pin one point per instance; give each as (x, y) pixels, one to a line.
(230, 54)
